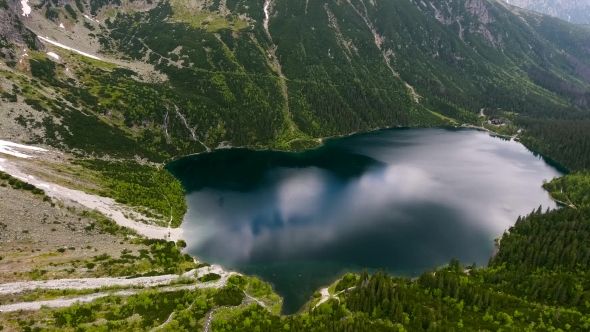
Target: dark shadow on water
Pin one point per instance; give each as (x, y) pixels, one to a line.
(243, 169)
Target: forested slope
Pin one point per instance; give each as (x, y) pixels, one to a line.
(281, 74)
(349, 66)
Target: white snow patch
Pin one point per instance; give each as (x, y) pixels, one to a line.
(61, 25)
(7, 147)
(26, 7)
(90, 18)
(53, 55)
(266, 17)
(68, 48)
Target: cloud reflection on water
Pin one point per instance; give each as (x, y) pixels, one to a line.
(304, 211)
(437, 194)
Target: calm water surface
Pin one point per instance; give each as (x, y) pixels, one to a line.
(402, 200)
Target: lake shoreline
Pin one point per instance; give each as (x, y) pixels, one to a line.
(381, 135)
(322, 140)
(564, 204)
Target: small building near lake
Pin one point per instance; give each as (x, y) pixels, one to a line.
(499, 122)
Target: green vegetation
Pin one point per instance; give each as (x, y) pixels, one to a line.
(187, 309)
(507, 130)
(346, 282)
(229, 296)
(152, 307)
(238, 76)
(158, 258)
(161, 258)
(51, 14)
(329, 68)
(83, 121)
(80, 6)
(538, 281)
(321, 74)
(251, 318)
(210, 21)
(7, 179)
(152, 188)
(572, 189)
(51, 294)
(263, 292)
(71, 11)
(105, 225)
(210, 277)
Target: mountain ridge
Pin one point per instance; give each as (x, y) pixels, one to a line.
(574, 11)
(331, 69)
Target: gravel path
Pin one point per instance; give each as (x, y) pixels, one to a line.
(63, 302)
(58, 303)
(95, 283)
(105, 205)
(85, 283)
(325, 297)
(110, 208)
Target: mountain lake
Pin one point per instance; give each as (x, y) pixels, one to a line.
(405, 200)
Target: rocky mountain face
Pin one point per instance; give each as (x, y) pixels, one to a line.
(13, 31)
(574, 11)
(161, 79)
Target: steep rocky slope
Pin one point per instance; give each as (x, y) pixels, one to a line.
(574, 11)
(169, 78)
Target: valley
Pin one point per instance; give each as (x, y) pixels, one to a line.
(97, 97)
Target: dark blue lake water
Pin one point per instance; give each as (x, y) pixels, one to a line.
(405, 200)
